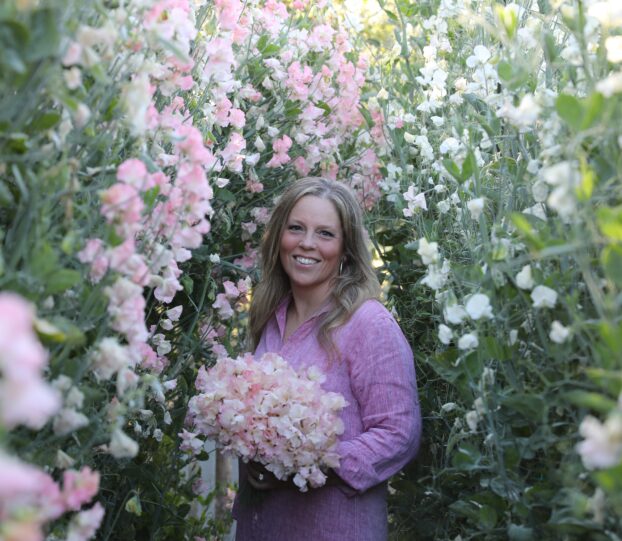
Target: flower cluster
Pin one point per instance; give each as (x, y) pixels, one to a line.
(263, 410)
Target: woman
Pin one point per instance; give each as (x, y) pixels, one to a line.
(315, 305)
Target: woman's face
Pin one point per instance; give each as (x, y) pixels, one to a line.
(312, 245)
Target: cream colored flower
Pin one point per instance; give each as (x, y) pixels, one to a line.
(524, 279)
(544, 297)
(559, 334)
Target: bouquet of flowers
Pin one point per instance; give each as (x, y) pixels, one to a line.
(265, 411)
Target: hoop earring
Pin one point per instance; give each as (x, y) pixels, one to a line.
(341, 267)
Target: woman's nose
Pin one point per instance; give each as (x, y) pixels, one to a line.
(308, 240)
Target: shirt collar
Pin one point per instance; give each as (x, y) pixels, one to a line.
(281, 311)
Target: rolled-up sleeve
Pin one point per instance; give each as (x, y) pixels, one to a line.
(382, 379)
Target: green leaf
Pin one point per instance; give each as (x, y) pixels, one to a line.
(588, 180)
(453, 169)
(59, 330)
(150, 196)
(391, 15)
(367, 116)
(551, 49)
(323, 105)
(521, 223)
(487, 517)
(469, 166)
(609, 221)
(592, 109)
(46, 121)
(467, 457)
(611, 260)
(530, 406)
(45, 37)
(505, 71)
(61, 280)
(589, 400)
(187, 283)
(608, 380)
(262, 42)
(610, 479)
(44, 261)
(570, 110)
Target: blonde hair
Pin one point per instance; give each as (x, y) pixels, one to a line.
(356, 282)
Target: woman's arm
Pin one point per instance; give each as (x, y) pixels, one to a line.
(382, 379)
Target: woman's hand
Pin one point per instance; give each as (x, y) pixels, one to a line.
(261, 479)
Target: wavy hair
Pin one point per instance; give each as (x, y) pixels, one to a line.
(356, 282)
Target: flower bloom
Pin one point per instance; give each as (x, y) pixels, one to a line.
(543, 297)
(478, 307)
(468, 341)
(264, 410)
(476, 207)
(524, 279)
(428, 251)
(602, 446)
(559, 334)
(445, 334)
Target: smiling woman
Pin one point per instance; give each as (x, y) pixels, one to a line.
(315, 305)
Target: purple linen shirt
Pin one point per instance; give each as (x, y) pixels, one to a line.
(375, 374)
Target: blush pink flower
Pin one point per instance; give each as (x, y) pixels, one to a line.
(79, 487)
(281, 147)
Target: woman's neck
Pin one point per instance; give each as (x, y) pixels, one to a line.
(304, 305)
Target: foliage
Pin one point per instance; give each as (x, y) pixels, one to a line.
(503, 175)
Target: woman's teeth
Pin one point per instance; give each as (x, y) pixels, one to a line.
(305, 260)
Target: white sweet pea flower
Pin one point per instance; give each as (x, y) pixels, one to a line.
(121, 445)
(449, 406)
(524, 279)
(540, 191)
(610, 85)
(409, 138)
(480, 56)
(428, 251)
(608, 12)
(513, 336)
(476, 207)
(450, 146)
(602, 446)
(559, 334)
(455, 313)
(543, 297)
(613, 44)
(478, 307)
(436, 277)
(472, 419)
(445, 334)
(468, 341)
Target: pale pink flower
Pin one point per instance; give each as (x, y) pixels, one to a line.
(231, 291)
(132, 172)
(281, 147)
(30, 403)
(223, 306)
(79, 487)
(84, 525)
(110, 357)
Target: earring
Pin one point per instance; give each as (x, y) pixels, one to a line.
(341, 267)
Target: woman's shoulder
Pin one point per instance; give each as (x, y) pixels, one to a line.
(370, 312)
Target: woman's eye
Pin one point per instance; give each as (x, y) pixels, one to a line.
(294, 227)
(327, 234)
